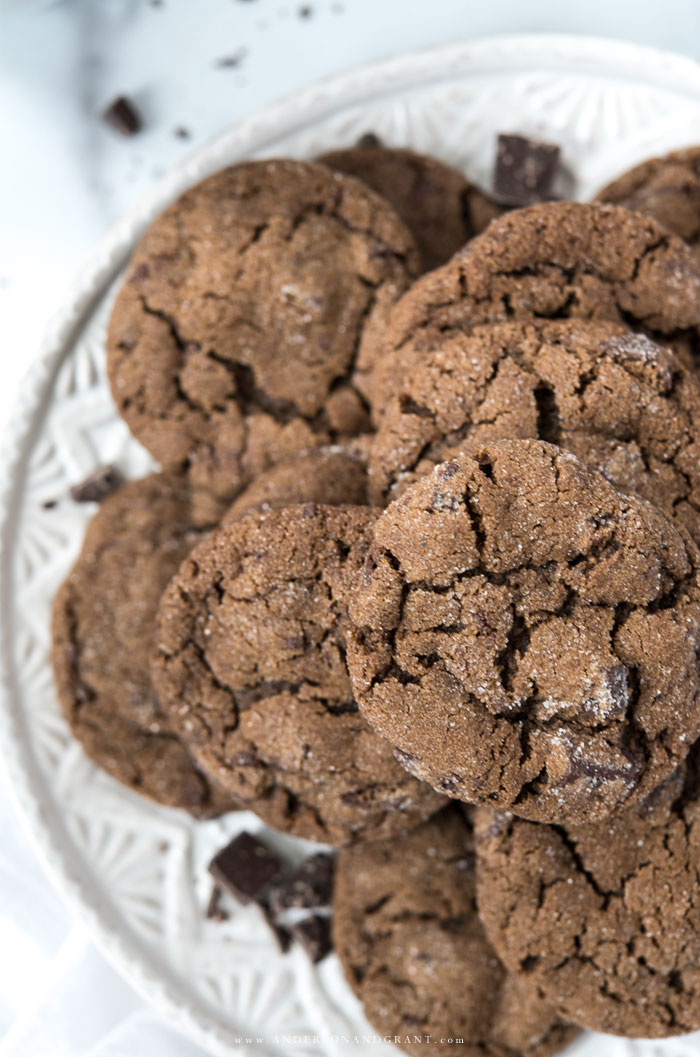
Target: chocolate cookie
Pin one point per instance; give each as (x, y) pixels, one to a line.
(528, 637)
(666, 189)
(251, 668)
(233, 338)
(440, 207)
(415, 954)
(620, 402)
(331, 476)
(603, 919)
(562, 259)
(103, 624)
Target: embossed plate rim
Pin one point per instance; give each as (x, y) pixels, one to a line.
(586, 55)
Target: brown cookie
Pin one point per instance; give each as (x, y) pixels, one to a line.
(438, 205)
(562, 259)
(414, 952)
(667, 189)
(330, 476)
(234, 335)
(528, 637)
(620, 402)
(103, 624)
(251, 667)
(603, 919)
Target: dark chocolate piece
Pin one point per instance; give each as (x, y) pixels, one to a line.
(525, 170)
(369, 141)
(283, 936)
(49, 504)
(97, 486)
(215, 911)
(181, 132)
(246, 867)
(123, 116)
(309, 886)
(314, 934)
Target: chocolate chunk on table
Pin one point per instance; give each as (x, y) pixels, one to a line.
(246, 867)
(97, 486)
(525, 170)
(310, 885)
(314, 935)
(123, 117)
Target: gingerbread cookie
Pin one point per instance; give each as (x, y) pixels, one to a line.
(666, 189)
(414, 952)
(234, 335)
(251, 668)
(103, 624)
(331, 476)
(620, 402)
(440, 207)
(603, 919)
(562, 259)
(528, 637)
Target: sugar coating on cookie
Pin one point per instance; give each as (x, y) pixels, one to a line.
(234, 335)
(602, 918)
(561, 259)
(618, 400)
(250, 666)
(102, 632)
(329, 476)
(527, 636)
(407, 932)
(667, 189)
(441, 208)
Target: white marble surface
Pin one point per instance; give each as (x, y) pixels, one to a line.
(64, 179)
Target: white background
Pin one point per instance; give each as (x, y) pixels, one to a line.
(64, 179)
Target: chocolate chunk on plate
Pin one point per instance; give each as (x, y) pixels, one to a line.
(309, 886)
(97, 486)
(314, 935)
(215, 912)
(525, 170)
(246, 867)
(283, 936)
(123, 117)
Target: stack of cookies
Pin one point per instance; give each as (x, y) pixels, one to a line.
(420, 576)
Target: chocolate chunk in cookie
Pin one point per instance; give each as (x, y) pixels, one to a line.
(103, 624)
(406, 930)
(562, 259)
(528, 636)
(330, 476)
(441, 208)
(666, 189)
(620, 402)
(251, 669)
(602, 918)
(233, 338)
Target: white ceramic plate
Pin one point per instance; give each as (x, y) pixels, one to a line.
(137, 873)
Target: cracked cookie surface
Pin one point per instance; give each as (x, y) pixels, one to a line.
(438, 205)
(623, 404)
(414, 952)
(667, 189)
(329, 476)
(102, 632)
(251, 667)
(233, 337)
(527, 636)
(561, 259)
(604, 918)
